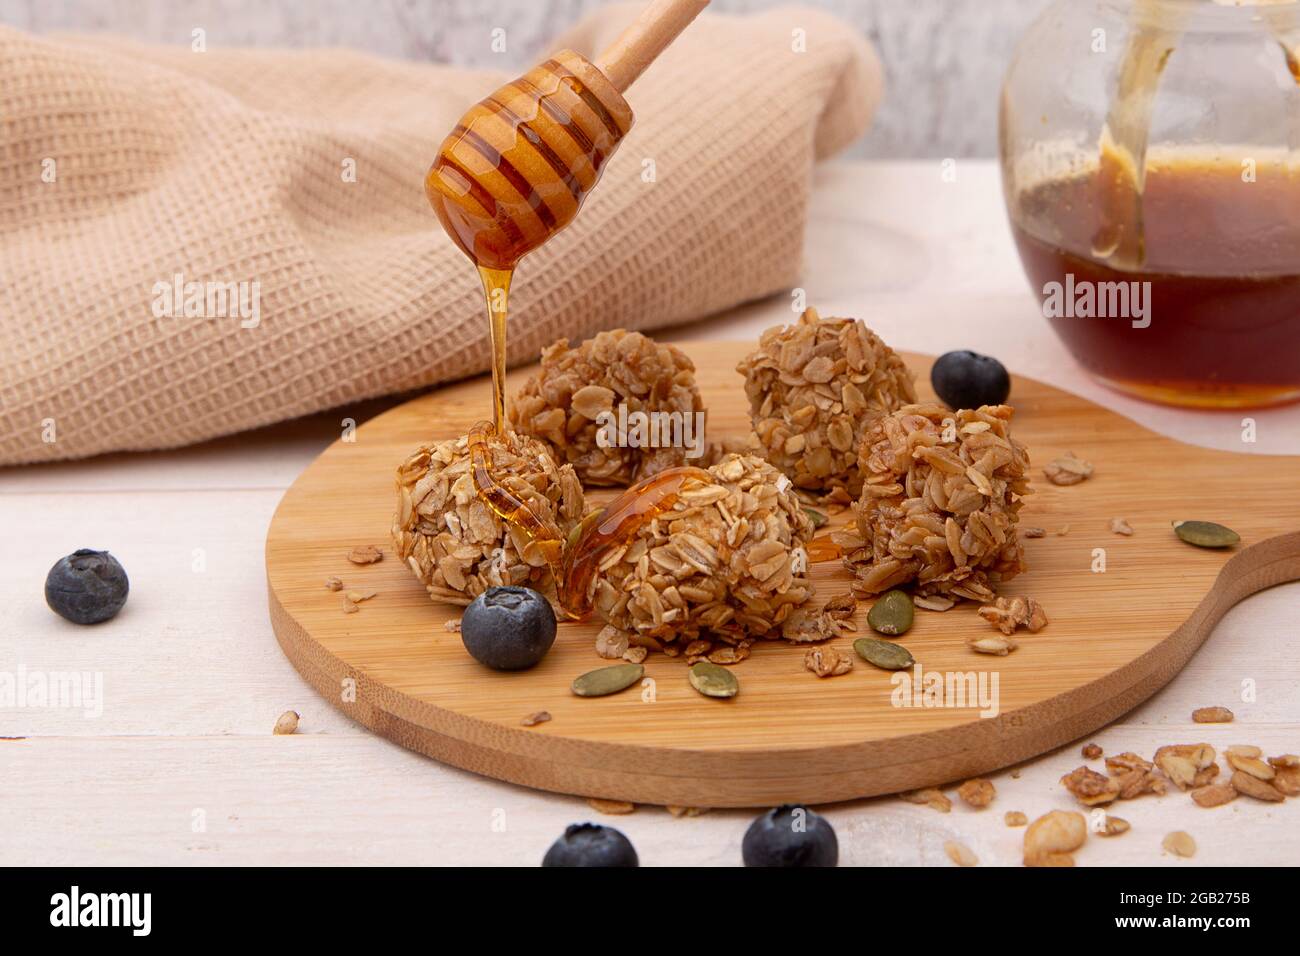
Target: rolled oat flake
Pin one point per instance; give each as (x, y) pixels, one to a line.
(891, 614)
(713, 681)
(887, 656)
(607, 680)
(1206, 534)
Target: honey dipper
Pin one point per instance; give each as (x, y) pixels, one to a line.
(519, 164)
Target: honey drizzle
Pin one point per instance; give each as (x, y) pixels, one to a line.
(496, 295)
(574, 560)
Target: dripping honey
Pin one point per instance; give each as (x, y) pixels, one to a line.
(574, 560)
(514, 172)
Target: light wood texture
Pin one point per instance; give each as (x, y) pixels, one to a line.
(1116, 635)
(639, 45)
(194, 679)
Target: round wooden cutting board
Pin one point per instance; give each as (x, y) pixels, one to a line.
(1116, 635)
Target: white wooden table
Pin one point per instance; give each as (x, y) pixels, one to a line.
(181, 767)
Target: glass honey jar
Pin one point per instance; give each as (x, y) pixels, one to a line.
(1152, 179)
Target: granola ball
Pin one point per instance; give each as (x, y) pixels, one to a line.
(813, 389)
(563, 406)
(940, 502)
(456, 544)
(725, 563)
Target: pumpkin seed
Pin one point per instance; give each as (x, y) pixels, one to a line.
(891, 614)
(887, 656)
(607, 680)
(1206, 534)
(816, 517)
(713, 681)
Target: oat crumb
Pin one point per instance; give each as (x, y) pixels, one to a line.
(960, 854)
(540, 717)
(1212, 715)
(977, 792)
(1179, 843)
(611, 807)
(930, 797)
(286, 723)
(365, 554)
(1091, 751)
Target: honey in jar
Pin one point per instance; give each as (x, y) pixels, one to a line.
(1218, 281)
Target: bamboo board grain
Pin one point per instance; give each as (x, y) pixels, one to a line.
(1115, 637)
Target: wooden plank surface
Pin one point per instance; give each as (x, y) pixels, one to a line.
(193, 678)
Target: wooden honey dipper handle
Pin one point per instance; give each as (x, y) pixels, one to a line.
(656, 27)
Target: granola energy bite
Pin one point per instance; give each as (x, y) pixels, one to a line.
(940, 501)
(813, 389)
(562, 404)
(454, 543)
(720, 565)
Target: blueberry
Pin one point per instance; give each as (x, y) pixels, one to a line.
(86, 587)
(969, 380)
(590, 844)
(508, 628)
(790, 835)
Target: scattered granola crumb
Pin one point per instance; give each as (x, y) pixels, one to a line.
(1051, 838)
(1114, 826)
(611, 807)
(1251, 765)
(1214, 795)
(960, 854)
(1034, 532)
(1068, 470)
(286, 723)
(349, 606)
(1120, 526)
(827, 661)
(1091, 751)
(1252, 786)
(365, 554)
(687, 811)
(1212, 715)
(1090, 787)
(1007, 614)
(334, 584)
(453, 625)
(1287, 778)
(1014, 818)
(977, 792)
(1179, 843)
(1188, 765)
(532, 720)
(1062, 531)
(1001, 646)
(635, 655)
(930, 797)
(356, 597)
